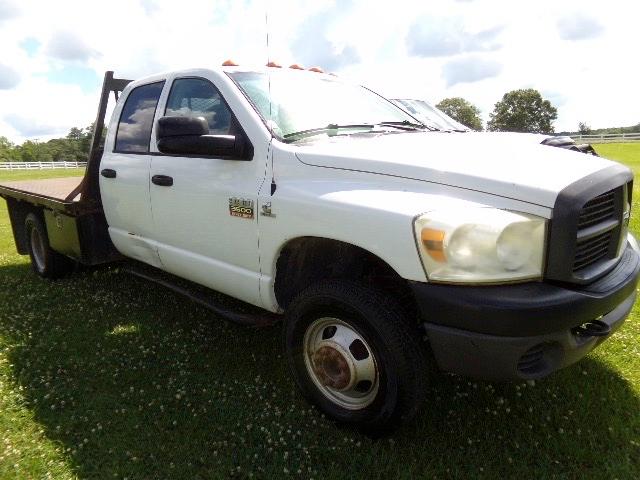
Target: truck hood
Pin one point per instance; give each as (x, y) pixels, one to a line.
(509, 165)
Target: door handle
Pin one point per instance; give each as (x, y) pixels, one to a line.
(162, 180)
(108, 173)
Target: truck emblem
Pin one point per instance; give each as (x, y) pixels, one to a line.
(241, 207)
(266, 210)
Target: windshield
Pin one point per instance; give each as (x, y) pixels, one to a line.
(429, 115)
(304, 101)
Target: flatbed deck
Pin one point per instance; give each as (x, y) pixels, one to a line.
(52, 192)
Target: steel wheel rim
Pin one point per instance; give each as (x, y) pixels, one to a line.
(37, 248)
(341, 363)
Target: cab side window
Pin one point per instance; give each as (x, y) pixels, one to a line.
(136, 119)
(196, 97)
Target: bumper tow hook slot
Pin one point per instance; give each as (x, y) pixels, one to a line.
(594, 328)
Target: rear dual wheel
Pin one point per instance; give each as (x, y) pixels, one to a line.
(45, 262)
(355, 354)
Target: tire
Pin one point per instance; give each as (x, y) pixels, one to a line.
(334, 331)
(45, 262)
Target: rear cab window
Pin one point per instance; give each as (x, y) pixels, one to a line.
(136, 120)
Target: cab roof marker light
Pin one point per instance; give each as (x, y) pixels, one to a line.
(316, 69)
(274, 65)
(229, 63)
(296, 66)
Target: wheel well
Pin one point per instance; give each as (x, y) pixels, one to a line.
(306, 260)
(18, 212)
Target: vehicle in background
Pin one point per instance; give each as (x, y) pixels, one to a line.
(436, 118)
(430, 115)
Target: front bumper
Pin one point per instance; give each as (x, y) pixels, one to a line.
(522, 331)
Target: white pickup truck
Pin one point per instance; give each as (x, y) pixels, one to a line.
(383, 242)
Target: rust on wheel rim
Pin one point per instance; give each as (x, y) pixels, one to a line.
(341, 363)
(331, 367)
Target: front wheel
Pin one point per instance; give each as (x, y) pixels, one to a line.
(355, 355)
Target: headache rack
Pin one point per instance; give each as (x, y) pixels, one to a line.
(89, 188)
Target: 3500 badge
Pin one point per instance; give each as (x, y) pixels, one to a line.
(240, 207)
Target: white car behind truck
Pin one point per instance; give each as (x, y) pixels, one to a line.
(375, 237)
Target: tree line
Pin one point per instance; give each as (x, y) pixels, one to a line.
(585, 129)
(521, 110)
(72, 148)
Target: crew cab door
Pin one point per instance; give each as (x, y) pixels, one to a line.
(200, 236)
(124, 175)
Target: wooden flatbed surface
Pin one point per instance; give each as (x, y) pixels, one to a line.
(57, 189)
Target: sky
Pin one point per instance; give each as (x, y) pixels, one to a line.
(581, 55)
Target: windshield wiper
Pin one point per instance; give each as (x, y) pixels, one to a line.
(407, 125)
(331, 129)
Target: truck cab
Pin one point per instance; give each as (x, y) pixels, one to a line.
(374, 237)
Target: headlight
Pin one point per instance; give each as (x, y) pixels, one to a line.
(481, 245)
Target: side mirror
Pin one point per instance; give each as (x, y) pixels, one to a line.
(190, 136)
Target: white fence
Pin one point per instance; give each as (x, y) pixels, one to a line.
(40, 165)
(607, 138)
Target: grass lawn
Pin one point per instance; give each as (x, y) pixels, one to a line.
(103, 375)
(9, 175)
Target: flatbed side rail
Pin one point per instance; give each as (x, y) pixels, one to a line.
(89, 187)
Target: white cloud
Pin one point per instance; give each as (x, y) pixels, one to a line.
(8, 10)
(432, 36)
(149, 6)
(9, 78)
(470, 69)
(579, 26)
(370, 42)
(312, 45)
(36, 109)
(70, 46)
(30, 126)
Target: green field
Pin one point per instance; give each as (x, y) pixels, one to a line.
(105, 376)
(10, 175)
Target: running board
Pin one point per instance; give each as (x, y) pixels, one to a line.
(265, 319)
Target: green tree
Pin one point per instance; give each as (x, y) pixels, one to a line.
(34, 151)
(523, 110)
(63, 149)
(6, 150)
(463, 111)
(75, 134)
(87, 136)
(583, 128)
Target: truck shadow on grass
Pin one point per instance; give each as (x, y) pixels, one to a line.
(134, 381)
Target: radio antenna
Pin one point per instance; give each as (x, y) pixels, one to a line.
(273, 180)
